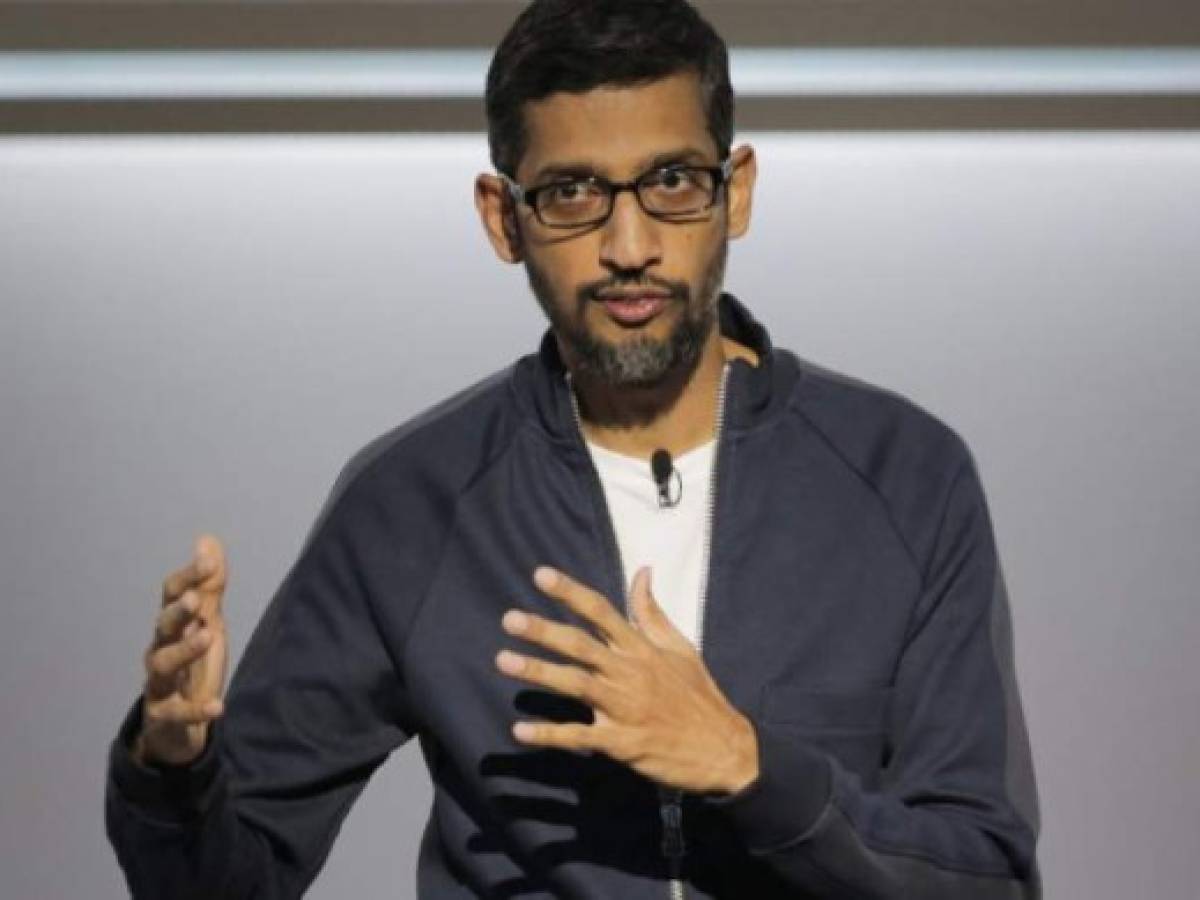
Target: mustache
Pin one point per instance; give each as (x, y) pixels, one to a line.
(678, 290)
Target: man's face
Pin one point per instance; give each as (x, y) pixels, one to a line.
(619, 133)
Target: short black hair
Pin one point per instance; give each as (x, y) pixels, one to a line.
(578, 45)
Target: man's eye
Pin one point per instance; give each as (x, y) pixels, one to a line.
(674, 179)
(569, 192)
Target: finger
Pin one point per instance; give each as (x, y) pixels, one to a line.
(164, 663)
(651, 618)
(210, 559)
(180, 580)
(175, 617)
(177, 710)
(590, 604)
(565, 640)
(571, 681)
(645, 614)
(209, 555)
(566, 735)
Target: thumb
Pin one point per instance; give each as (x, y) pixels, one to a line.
(650, 617)
(209, 553)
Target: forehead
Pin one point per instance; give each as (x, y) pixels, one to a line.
(615, 130)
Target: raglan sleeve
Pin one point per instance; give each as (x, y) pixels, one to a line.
(314, 706)
(955, 813)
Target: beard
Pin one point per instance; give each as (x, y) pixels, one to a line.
(641, 361)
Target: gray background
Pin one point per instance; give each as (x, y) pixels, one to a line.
(195, 333)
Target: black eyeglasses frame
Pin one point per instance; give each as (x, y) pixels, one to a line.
(720, 174)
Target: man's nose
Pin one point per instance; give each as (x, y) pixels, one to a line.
(630, 237)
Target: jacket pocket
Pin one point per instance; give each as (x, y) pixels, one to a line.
(848, 724)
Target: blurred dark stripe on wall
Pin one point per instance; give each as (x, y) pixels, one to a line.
(166, 24)
(1052, 25)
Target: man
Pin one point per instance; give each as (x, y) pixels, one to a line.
(811, 696)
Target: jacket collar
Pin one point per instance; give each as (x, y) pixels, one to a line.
(752, 395)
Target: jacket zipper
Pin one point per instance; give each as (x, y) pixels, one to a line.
(670, 799)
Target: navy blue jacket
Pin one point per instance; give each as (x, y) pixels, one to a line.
(855, 612)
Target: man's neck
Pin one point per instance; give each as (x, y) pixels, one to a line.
(678, 415)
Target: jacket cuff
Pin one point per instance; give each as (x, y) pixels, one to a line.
(169, 794)
(783, 804)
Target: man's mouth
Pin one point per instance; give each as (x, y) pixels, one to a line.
(635, 309)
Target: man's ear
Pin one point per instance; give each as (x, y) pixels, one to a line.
(498, 214)
(741, 190)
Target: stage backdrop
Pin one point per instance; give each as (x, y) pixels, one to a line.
(196, 332)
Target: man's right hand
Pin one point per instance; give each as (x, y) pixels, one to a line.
(186, 661)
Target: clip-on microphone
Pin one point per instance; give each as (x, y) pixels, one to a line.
(670, 490)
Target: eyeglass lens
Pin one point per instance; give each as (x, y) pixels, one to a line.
(669, 192)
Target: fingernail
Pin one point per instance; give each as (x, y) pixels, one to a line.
(515, 620)
(509, 662)
(544, 577)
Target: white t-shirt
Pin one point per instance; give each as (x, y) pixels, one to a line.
(669, 539)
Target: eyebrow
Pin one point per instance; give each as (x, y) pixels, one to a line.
(583, 168)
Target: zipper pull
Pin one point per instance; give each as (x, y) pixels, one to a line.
(671, 809)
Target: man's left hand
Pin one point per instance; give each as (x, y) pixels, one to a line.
(656, 707)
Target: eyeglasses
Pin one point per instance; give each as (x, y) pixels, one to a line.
(670, 193)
